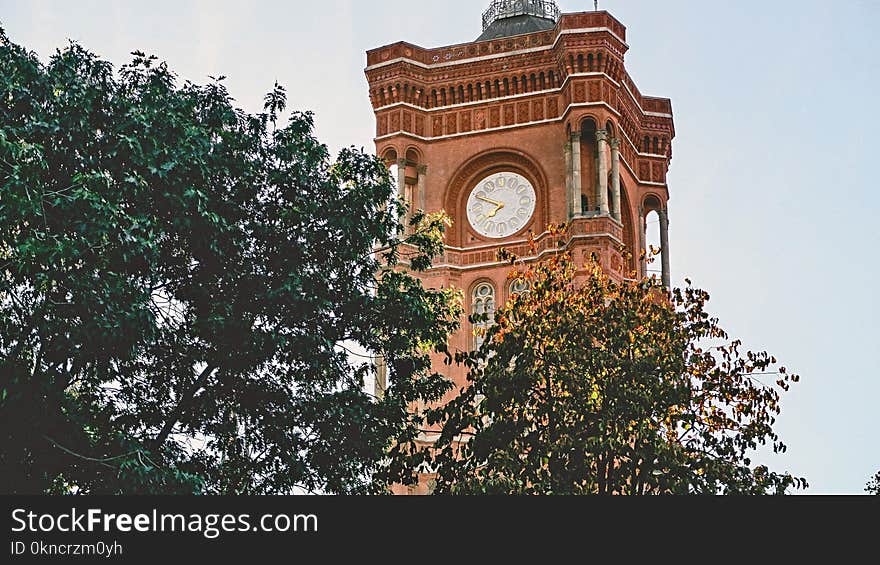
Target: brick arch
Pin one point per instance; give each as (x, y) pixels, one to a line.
(630, 232)
(487, 163)
(482, 279)
(582, 119)
(652, 202)
(385, 151)
(610, 125)
(413, 149)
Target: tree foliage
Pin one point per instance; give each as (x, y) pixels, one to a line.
(589, 386)
(189, 297)
(874, 486)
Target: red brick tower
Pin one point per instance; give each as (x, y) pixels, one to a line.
(536, 122)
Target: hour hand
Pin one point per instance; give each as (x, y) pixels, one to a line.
(495, 211)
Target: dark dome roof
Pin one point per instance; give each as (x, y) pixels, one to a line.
(506, 18)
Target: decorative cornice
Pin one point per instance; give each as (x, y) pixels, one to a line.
(546, 91)
(481, 58)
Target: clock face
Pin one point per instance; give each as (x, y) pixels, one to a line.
(501, 205)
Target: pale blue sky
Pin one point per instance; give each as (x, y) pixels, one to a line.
(772, 196)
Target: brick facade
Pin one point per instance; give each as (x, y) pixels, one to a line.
(453, 115)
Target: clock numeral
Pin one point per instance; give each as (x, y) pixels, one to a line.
(501, 182)
(525, 201)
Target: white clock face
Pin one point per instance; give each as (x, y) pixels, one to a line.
(501, 205)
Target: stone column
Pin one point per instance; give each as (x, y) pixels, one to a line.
(401, 190)
(615, 179)
(423, 196)
(664, 244)
(568, 180)
(643, 245)
(576, 186)
(381, 384)
(602, 190)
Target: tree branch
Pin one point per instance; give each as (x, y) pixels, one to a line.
(185, 399)
(103, 462)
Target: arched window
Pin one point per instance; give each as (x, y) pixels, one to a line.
(589, 166)
(483, 304)
(653, 265)
(412, 177)
(520, 286)
(391, 163)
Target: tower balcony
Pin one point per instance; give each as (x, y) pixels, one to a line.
(506, 18)
(501, 9)
(590, 230)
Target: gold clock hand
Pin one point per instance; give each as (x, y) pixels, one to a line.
(495, 212)
(492, 202)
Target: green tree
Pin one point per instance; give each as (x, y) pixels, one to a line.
(589, 386)
(190, 300)
(874, 486)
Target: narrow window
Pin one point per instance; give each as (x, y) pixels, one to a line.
(483, 305)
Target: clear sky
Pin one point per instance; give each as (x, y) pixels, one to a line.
(772, 189)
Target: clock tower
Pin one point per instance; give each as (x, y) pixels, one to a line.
(536, 122)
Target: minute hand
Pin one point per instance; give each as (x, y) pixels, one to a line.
(492, 202)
